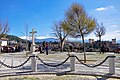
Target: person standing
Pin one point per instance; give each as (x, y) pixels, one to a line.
(29, 45)
(43, 46)
(46, 48)
(40, 49)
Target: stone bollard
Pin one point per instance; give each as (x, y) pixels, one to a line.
(33, 63)
(111, 65)
(72, 62)
(32, 48)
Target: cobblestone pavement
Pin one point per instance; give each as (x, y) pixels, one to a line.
(60, 70)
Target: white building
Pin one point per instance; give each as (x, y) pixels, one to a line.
(4, 41)
(91, 41)
(114, 41)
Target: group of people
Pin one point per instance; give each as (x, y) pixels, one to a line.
(15, 48)
(44, 47)
(104, 49)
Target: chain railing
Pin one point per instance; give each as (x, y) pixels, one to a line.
(9, 66)
(3, 62)
(51, 65)
(92, 66)
(55, 65)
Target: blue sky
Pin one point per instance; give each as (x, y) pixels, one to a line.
(41, 15)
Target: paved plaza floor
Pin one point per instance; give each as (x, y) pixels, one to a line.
(14, 59)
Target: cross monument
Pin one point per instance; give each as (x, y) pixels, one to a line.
(33, 43)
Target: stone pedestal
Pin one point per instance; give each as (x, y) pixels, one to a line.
(111, 65)
(32, 48)
(33, 63)
(72, 62)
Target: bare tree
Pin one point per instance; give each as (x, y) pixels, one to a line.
(4, 28)
(99, 32)
(79, 23)
(60, 34)
(26, 31)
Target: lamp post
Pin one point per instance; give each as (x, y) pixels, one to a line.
(33, 43)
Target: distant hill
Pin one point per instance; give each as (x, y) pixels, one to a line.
(14, 38)
(18, 39)
(86, 41)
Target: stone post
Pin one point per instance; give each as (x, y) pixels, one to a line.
(72, 62)
(33, 63)
(111, 65)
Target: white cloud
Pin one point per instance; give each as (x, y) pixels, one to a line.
(113, 26)
(44, 37)
(74, 39)
(104, 8)
(38, 37)
(108, 36)
(101, 9)
(24, 37)
(91, 36)
(117, 31)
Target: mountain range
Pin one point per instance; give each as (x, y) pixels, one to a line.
(56, 40)
(48, 39)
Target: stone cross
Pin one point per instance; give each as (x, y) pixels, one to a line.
(33, 43)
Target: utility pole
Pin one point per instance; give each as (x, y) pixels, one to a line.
(33, 43)
(26, 28)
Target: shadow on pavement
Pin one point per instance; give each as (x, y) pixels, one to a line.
(104, 77)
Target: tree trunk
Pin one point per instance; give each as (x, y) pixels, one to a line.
(100, 43)
(0, 48)
(84, 49)
(61, 45)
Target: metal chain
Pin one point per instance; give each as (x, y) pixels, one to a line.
(51, 65)
(17, 65)
(3, 62)
(92, 66)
